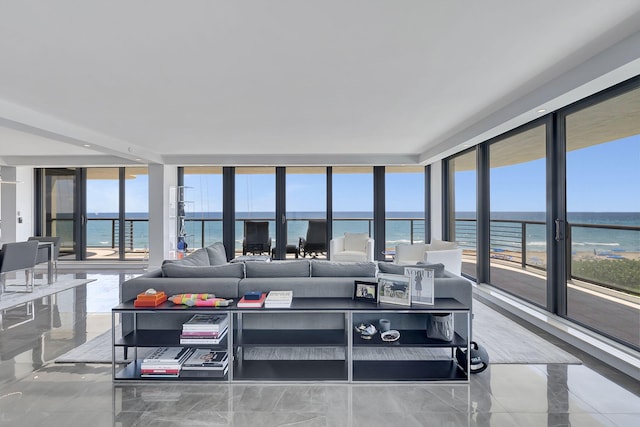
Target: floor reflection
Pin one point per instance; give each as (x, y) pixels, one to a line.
(36, 391)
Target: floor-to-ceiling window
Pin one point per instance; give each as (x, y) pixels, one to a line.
(255, 201)
(352, 190)
(136, 213)
(204, 219)
(306, 199)
(517, 228)
(103, 213)
(404, 205)
(59, 215)
(603, 215)
(461, 196)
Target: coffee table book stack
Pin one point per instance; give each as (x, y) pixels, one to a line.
(164, 362)
(205, 362)
(209, 329)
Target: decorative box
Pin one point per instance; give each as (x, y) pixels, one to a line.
(150, 300)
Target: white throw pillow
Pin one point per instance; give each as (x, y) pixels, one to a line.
(355, 241)
(441, 245)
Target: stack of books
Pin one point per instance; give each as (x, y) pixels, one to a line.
(204, 329)
(205, 362)
(279, 299)
(164, 362)
(252, 300)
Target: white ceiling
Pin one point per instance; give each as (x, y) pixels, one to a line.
(285, 82)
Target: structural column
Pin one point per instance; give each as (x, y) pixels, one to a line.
(161, 180)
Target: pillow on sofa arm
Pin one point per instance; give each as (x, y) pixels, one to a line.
(192, 271)
(217, 254)
(200, 257)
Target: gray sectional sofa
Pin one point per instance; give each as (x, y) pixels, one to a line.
(207, 271)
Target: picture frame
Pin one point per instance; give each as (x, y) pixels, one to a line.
(394, 289)
(365, 291)
(422, 285)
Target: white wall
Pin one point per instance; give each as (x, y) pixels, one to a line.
(16, 208)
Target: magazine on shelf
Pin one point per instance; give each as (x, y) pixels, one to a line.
(205, 358)
(168, 355)
(279, 299)
(203, 339)
(206, 322)
(172, 371)
(160, 375)
(252, 303)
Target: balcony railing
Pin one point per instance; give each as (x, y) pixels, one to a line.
(606, 255)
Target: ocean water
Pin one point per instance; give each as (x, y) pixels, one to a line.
(100, 231)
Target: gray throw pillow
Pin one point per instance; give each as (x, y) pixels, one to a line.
(342, 269)
(196, 258)
(191, 271)
(298, 268)
(390, 268)
(217, 254)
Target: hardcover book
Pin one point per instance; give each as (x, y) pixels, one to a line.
(166, 355)
(205, 322)
(279, 299)
(207, 358)
(203, 339)
(252, 303)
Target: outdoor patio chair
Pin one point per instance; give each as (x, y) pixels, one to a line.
(256, 238)
(315, 242)
(18, 256)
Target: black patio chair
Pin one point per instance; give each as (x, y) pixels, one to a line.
(316, 241)
(256, 238)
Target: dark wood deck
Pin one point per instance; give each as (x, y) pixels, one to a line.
(601, 311)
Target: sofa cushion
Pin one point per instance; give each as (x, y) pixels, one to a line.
(217, 254)
(356, 242)
(298, 268)
(193, 271)
(342, 269)
(442, 245)
(389, 268)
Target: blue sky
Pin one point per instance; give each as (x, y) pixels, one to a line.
(601, 178)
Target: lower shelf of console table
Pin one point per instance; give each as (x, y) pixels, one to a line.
(344, 340)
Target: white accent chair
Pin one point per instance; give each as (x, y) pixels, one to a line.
(352, 247)
(438, 252)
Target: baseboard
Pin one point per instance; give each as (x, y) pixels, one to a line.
(602, 348)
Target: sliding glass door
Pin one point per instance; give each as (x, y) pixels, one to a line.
(603, 215)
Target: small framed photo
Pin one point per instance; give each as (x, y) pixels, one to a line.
(422, 284)
(394, 289)
(365, 291)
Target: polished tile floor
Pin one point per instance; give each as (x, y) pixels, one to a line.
(35, 391)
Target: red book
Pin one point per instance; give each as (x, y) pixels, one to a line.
(252, 303)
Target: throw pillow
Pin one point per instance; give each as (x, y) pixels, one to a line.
(217, 254)
(192, 271)
(197, 258)
(442, 245)
(355, 242)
